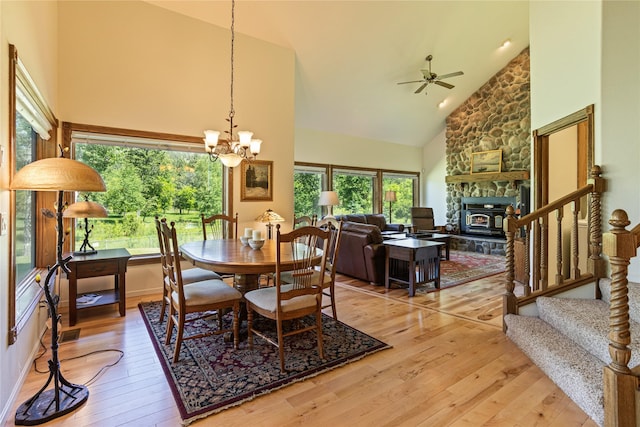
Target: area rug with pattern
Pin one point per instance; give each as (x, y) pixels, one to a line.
(462, 267)
(211, 376)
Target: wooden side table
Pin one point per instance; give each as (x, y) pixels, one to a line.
(103, 263)
(413, 262)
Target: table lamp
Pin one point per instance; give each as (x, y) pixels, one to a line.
(329, 199)
(85, 210)
(55, 174)
(390, 196)
(269, 216)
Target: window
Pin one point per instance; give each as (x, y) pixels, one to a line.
(405, 187)
(25, 203)
(147, 177)
(355, 191)
(308, 182)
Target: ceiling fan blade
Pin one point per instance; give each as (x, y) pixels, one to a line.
(443, 84)
(420, 88)
(446, 76)
(413, 81)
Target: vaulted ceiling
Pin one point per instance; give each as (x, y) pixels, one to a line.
(351, 54)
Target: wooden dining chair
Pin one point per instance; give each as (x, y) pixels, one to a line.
(220, 226)
(199, 297)
(301, 297)
(328, 285)
(304, 221)
(334, 226)
(190, 275)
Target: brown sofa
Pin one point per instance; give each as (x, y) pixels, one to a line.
(378, 220)
(362, 253)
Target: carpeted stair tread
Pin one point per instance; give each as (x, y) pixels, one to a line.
(586, 322)
(634, 297)
(572, 368)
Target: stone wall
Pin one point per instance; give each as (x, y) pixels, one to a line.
(497, 116)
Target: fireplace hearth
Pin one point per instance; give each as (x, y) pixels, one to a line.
(483, 216)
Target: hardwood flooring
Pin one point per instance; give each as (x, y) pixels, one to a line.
(450, 365)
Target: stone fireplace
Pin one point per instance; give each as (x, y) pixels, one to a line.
(496, 117)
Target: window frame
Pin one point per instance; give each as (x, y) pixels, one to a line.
(44, 227)
(68, 129)
(378, 195)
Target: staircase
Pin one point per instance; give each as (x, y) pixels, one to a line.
(584, 345)
(569, 342)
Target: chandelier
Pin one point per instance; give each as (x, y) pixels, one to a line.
(235, 148)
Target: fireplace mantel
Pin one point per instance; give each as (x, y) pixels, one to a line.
(483, 177)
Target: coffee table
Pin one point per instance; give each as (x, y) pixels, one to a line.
(413, 262)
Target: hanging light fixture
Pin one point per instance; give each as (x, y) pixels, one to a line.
(234, 149)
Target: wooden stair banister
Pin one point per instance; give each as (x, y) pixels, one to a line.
(621, 397)
(536, 246)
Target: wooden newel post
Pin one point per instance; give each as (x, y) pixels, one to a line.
(619, 382)
(509, 299)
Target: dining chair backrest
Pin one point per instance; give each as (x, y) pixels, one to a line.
(307, 246)
(334, 226)
(163, 249)
(220, 226)
(172, 268)
(305, 220)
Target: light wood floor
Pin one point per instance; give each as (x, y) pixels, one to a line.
(450, 365)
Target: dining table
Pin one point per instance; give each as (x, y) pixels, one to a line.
(230, 256)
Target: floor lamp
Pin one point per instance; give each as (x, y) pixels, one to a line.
(390, 196)
(55, 174)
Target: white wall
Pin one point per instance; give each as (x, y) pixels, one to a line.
(619, 151)
(150, 69)
(433, 176)
(329, 148)
(32, 28)
(589, 53)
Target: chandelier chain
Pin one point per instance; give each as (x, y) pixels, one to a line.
(233, 21)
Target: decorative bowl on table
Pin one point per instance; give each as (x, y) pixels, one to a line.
(256, 244)
(244, 240)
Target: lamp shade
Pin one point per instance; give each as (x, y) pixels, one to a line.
(85, 209)
(328, 198)
(390, 196)
(269, 216)
(57, 174)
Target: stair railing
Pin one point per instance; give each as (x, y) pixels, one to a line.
(621, 397)
(532, 231)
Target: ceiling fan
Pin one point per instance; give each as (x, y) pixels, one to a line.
(430, 77)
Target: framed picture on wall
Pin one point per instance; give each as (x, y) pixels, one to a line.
(256, 180)
(486, 161)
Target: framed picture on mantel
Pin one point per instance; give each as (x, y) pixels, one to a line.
(486, 162)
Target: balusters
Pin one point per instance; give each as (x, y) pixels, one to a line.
(527, 261)
(575, 256)
(559, 217)
(544, 269)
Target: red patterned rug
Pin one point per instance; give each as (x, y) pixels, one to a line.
(212, 376)
(464, 267)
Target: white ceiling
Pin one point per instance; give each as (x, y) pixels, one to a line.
(351, 54)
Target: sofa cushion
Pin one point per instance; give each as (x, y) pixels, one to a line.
(378, 220)
(371, 231)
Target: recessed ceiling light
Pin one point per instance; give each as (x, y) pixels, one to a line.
(442, 103)
(505, 43)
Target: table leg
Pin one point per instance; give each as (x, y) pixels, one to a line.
(245, 283)
(121, 287)
(412, 277)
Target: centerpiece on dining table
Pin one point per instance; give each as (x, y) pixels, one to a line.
(252, 238)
